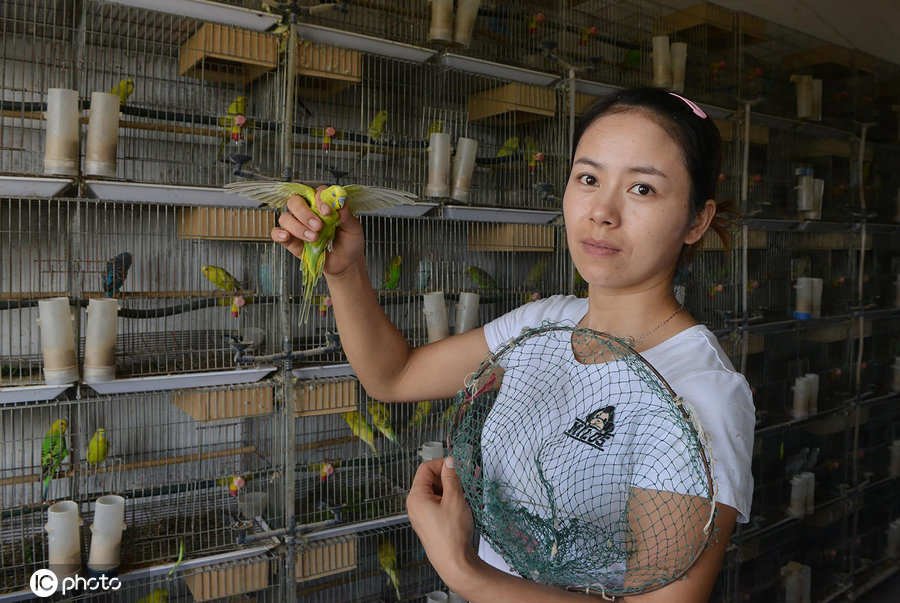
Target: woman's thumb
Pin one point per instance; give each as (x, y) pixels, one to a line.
(449, 477)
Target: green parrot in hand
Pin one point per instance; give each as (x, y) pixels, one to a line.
(357, 197)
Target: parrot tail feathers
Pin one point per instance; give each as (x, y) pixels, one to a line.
(310, 278)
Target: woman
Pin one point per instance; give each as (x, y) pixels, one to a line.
(639, 197)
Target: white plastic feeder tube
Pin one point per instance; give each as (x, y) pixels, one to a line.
(436, 316)
(106, 533)
(662, 62)
(804, 95)
(437, 597)
(466, 312)
(102, 136)
(678, 51)
(805, 192)
(57, 341)
(62, 146)
(816, 297)
(64, 538)
(438, 165)
(431, 451)
(818, 190)
(793, 582)
(463, 168)
(813, 404)
(816, 100)
(895, 382)
(894, 465)
(100, 340)
(800, 409)
(441, 21)
(804, 288)
(809, 480)
(798, 497)
(897, 293)
(466, 12)
(893, 539)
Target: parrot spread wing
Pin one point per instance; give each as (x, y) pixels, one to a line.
(367, 198)
(360, 198)
(273, 194)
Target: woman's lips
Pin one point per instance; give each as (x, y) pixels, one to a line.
(599, 248)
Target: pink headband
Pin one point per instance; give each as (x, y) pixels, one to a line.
(697, 110)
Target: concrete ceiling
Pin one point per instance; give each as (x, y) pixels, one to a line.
(872, 26)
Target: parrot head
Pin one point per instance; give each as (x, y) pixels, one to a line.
(129, 85)
(99, 432)
(59, 427)
(335, 196)
(206, 270)
(123, 259)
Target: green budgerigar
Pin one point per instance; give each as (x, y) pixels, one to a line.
(387, 558)
(509, 147)
(376, 126)
(392, 273)
(361, 429)
(381, 417)
(221, 278)
(53, 452)
(98, 447)
(357, 197)
(436, 127)
(481, 277)
(235, 118)
(123, 89)
(422, 409)
(160, 595)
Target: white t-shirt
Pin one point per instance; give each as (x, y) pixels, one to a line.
(696, 368)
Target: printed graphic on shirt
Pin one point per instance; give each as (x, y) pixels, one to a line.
(594, 429)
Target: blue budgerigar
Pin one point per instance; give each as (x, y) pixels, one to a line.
(116, 271)
(425, 272)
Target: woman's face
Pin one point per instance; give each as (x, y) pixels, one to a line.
(626, 204)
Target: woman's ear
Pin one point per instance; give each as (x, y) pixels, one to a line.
(701, 222)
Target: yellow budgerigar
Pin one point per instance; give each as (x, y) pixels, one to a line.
(98, 447)
(376, 126)
(381, 417)
(123, 89)
(235, 117)
(387, 558)
(160, 595)
(312, 260)
(221, 278)
(361, 429)
(418, 417)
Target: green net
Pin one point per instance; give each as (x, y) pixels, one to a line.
(581, 466)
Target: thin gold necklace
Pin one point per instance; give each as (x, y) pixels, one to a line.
(634, 340)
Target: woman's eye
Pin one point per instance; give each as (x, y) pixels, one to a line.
(587, 179)
(642, 189)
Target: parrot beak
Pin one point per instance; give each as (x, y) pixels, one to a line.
(341, 201)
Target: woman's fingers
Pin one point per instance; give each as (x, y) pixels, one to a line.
(290, 242)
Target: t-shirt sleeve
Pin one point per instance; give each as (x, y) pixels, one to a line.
(724, 405)
(557, 308)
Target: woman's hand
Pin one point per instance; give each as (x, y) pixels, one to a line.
(442, 519)
(300, 224)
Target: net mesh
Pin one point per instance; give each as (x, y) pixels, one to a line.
(581, 466)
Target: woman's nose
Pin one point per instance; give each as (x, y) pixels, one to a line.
(606, 207)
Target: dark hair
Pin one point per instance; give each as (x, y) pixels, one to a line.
(698, 137)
